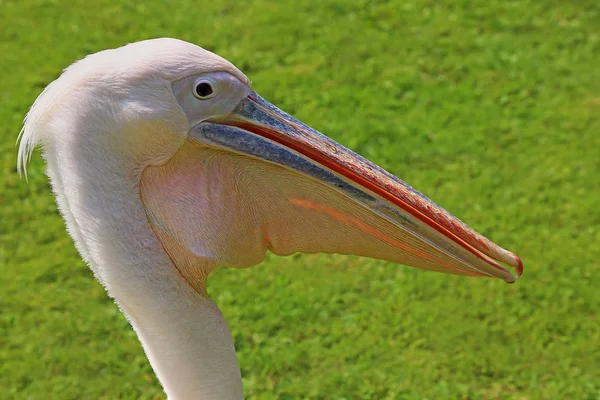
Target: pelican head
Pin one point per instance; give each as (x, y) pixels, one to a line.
(166, 164)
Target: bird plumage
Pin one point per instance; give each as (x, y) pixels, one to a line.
(160, 182)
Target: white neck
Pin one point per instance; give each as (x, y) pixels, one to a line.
(184, 334)
(187, 342)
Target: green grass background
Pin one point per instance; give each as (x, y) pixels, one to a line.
(492, 108)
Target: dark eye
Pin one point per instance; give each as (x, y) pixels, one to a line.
(203, 90)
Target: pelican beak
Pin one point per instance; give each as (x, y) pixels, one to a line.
(439, 241)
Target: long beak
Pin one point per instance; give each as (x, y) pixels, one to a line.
(365, 182)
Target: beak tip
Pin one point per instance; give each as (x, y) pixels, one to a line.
(519, 268)
(519, 271)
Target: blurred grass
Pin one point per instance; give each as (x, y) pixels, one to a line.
(491, 108)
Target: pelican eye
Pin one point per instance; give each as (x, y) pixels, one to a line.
(203, 90)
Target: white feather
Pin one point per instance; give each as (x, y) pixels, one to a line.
(99, 124)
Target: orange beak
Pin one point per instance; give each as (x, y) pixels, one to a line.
(429, 236)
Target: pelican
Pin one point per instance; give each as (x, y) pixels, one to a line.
(165, 165)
